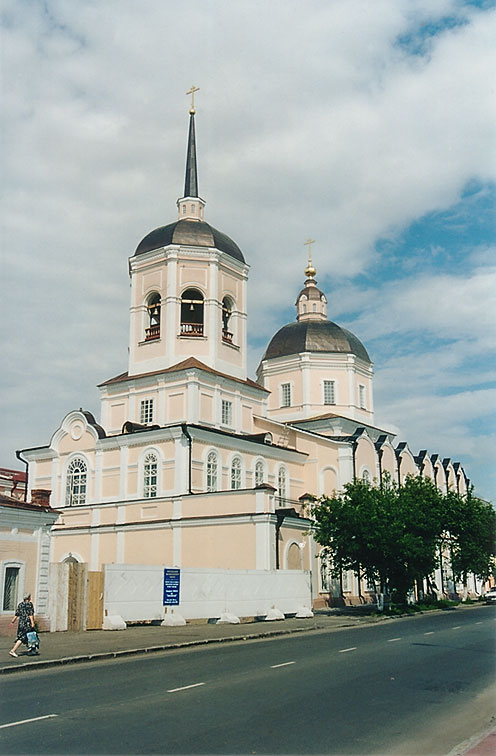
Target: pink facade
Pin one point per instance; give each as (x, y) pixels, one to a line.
(194, 464)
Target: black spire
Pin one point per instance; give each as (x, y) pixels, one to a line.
(191, 178)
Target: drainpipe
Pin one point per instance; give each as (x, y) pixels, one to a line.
(280, 519)
(379, 460)
(25, 462)
(354, 447)
(185, 431)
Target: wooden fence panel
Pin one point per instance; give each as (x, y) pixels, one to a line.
(94, 618)
(76, 596)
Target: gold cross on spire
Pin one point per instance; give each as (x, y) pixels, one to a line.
(192, 93)
(310, 270)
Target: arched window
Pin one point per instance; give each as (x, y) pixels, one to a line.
(259, 473)
(281, 483)
(153, 308)
(150, 467)
(236, 474)
(75, 488)
(366, 476)
(212, 471)
(227, 309)
(192, 313)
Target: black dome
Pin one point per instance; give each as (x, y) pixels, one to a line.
(196, 233)
(314, 336)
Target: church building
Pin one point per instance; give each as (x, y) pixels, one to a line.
(193, 464)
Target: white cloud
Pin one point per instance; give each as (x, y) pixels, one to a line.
(312, 120)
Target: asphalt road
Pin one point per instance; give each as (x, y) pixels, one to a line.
(409, 686)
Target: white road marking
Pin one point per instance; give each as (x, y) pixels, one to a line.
(478, 623)
(25, 721)
(431, 632)
(456, 627)
(391, 640)
(284, 664)
(185, 687)
(344, 650)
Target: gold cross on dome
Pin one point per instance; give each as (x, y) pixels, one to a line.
(192, 93)
(308, 244)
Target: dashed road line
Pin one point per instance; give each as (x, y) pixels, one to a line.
(185, 687)
(344, 650)
(456, 627)
(478, 623)
(25, 721)
(431, 632)
(392, 640)
(284, 664)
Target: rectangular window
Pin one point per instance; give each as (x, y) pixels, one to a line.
(146, 413)
(345, 579)
(361, 396)
(329, 392)
(285, 395)
(10, 589)
(227, 412)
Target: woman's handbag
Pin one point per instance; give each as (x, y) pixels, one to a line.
(33, 642)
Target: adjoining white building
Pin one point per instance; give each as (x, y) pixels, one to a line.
(192, 464)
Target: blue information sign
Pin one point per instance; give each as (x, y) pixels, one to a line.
(172, 580)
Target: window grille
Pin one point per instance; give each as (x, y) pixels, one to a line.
(329, 392)
(236, 474)
(281, 483)
(212, 472)
(150, 476)
(285, 395)
(75, 491)
(10, 589)
(259, 473)
(227, 412)
(146, 411)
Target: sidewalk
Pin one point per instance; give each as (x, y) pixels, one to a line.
(69, 647)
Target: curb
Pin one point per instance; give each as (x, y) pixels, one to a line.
(28, 666)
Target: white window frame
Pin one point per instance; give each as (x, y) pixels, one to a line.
(21, 566)
(282, 494)
(146, 411)
(259, 463)
(150, 489)
(236, 473)
(286, 397)
(347, 583)
(326, 581)
(227, 413)
(329, 386)
(212, 474)
(69, 497)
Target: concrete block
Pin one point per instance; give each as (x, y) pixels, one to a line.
(228, 619)
(173, 619)
(304, 612)
(115, 622)
(274, 614)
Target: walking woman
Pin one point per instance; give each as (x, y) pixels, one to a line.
(25, 615)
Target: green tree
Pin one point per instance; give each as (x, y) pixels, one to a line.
(471, 535)
(392, 532)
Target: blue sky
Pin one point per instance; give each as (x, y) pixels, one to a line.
(367, 126)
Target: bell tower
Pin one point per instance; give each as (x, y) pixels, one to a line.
(188, 288)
